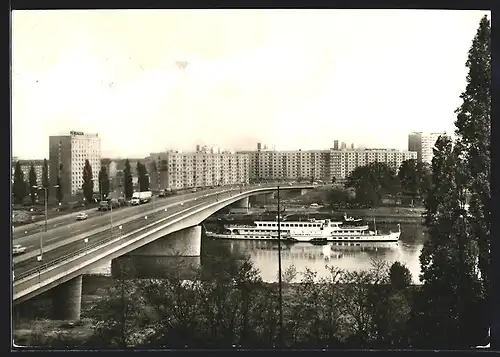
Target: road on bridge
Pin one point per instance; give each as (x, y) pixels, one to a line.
(68, 227)
(21, 267)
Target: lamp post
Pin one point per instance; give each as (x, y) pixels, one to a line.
(111, 217)
(152, 195)
(46, 212)
(279, 272)
(39, 260)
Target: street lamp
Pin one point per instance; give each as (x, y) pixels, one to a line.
(279, 272)
(39, 260)
(45, 189)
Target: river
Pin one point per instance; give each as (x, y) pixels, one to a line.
(264, 254)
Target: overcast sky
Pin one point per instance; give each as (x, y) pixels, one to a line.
(290, 78)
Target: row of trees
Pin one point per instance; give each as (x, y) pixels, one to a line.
(375, 180)
(22, 188)
(228, 305)
(104, 187)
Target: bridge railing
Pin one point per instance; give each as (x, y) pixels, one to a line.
(45, 266)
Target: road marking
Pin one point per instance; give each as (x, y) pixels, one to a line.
(95, 225)
(51, 239)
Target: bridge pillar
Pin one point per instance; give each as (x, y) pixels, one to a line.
(67, 300)
(178, 252)
(269, 196)
(243, 203)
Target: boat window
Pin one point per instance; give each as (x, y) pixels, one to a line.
(357, 237)
(301, 225)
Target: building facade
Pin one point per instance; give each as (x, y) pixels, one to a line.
(343, 162)
(67, 155)
(298, 165)
(316, 165)
(26, 167)
(423, 144)
(202, 168)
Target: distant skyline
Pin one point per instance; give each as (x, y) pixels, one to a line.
(296, 79)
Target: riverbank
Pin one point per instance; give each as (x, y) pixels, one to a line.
(383, 214)
(387, 214)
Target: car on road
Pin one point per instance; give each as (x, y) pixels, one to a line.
(18, 249)
(82, 216)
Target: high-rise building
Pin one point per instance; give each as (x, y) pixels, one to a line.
(335, 144)
(352, 145)
(423, 144)
(203, 168)
(343, 146)
(26, 167)
(67, 155)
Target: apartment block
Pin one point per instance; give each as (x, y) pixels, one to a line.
(314, 165)
(38, 166)
(343, 162)
(67, 155)
(423, 144)
(202, 168)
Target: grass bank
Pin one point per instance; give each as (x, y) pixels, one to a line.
(388, 214)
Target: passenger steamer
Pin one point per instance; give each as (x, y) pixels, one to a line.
(312, 230)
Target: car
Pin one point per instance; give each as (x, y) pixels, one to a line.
(18, 249)
(81, 216)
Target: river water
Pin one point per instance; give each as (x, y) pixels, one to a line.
(348, 256)
(264, 254)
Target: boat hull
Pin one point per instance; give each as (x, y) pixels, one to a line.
(390, 237)
(242, 237)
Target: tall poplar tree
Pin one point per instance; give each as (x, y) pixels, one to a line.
(32, 184)
(19, 185)
(474, 142)
(452, 308)
(88, 182)
(45, 176)
(127, 180)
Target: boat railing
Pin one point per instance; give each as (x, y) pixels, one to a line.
(354, 227)
(240, 226)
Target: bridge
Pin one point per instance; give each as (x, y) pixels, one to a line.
(171, 227)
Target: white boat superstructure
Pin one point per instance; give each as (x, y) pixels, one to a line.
(311, 230)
